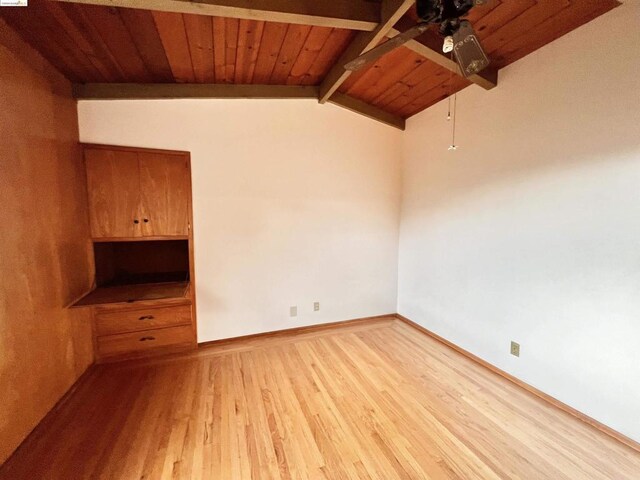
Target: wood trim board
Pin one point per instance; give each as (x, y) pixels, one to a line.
(139, 239)
(124, 148)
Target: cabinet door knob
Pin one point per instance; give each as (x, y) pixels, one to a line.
(146, 220)
(144, 339)
(136, 221)
(146, 317)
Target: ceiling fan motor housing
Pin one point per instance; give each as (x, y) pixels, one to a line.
(459, 35)
(445, 12)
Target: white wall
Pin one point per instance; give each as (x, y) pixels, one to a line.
(531, 230)
(294, 202)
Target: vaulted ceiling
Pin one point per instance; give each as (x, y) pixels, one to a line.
(295, 43)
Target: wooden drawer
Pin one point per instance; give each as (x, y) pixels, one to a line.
(123, 321)
(134, 342)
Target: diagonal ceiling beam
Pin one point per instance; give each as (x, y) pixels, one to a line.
(371, 111)
(391, 11)
(429, 46)
(350, 14)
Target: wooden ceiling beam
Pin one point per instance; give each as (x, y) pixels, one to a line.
(159, 91)
(371, 111)
(429, 46)
(350, 14)
(133, 91)
(391, 11)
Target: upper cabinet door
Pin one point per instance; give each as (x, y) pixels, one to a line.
(165, 185)
(113, 183)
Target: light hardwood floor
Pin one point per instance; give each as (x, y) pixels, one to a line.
(365, 401)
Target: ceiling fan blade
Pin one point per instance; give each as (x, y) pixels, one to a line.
(384, 48)
(468, 50)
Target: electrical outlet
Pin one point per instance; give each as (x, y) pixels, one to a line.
(316, 306)
(293, 311)
(515, 349)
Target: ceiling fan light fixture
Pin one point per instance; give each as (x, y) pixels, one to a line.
(468, 51)
(447, 45)
(458, 34)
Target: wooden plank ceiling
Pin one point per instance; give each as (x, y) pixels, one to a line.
(405, 83)
(91, 43)
(99, 44)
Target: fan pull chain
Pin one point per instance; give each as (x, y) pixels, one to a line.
(453, 145)
(449, 97)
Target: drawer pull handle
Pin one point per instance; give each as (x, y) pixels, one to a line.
(144, 339)
(146, 317)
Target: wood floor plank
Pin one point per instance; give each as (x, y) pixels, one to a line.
(373, 399)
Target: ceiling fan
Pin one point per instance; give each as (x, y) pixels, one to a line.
(458, 34)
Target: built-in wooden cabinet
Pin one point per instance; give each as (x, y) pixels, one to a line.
(135, 194)
(140, 214)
